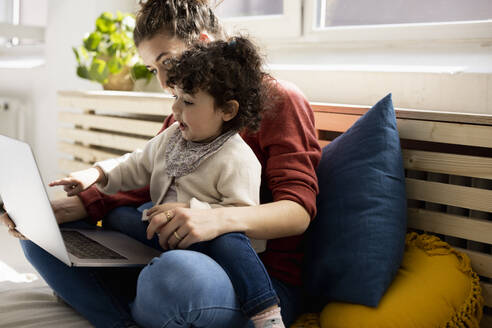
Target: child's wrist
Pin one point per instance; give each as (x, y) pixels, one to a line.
(101, 177)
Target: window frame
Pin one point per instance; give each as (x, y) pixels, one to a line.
(8, 30)
(394, 33)
(18, 55)
(285, 26)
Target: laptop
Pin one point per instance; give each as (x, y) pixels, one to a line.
(26, 201)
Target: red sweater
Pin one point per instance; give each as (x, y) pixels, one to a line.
(287, 148)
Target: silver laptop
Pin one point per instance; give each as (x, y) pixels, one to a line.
(26, 201)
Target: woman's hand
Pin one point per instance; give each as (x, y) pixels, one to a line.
(279, 219)
(161, 209)
(7, 221)
(181, 227)
(79, 181)
(65, 210)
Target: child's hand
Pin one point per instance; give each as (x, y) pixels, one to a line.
(79, 181)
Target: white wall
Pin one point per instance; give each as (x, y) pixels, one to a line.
(440, 78)
(433, 69)
(445, 78)
(68, 21)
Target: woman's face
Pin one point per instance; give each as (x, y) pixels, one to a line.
(156, 50)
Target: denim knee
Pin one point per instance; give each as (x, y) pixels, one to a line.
(179, 286)
(176, 274)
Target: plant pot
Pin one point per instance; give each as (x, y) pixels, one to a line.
(122, 81)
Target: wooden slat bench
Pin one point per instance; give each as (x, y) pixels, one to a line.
(448, 167)
(447, 159)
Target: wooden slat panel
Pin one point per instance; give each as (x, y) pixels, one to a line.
(102, 139)
(323, 143)
(119, 101)
(451, 225)
(487, 293)
(481, 262)
(68, 166)
(441, 193)
(454, 133)
(334, 122)
(470, 166)
(339, 108)
(87, 154)
(125, 125)
(416, 114)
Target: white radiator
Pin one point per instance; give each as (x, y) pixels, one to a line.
(12, 117)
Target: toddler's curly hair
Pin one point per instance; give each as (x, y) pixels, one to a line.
(227, 70)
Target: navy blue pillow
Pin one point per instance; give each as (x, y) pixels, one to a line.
(355, 244)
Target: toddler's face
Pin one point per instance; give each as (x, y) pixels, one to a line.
(198, 119)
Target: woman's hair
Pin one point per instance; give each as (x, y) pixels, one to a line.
(184, 19)
(227, 70)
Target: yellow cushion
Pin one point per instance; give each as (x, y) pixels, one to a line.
(307, 320)
(435, 287)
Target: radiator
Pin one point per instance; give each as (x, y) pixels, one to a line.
(12, 117)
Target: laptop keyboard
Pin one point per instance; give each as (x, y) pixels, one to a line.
(86, 248)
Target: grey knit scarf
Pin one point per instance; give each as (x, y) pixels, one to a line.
(183, 156)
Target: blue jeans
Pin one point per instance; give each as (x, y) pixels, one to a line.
(181, 288)
(251, 282)
(232, 251)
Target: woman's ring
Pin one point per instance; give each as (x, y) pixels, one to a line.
(168, 216)
(178, 237)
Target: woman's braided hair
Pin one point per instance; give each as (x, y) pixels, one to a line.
(227, 70)
(184, 19)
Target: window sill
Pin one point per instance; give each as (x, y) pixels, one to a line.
(437, 88)
(21, 62)
(22, 57)
(453, 58)
(370, 68)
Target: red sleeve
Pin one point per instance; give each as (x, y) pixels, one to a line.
(98, 204)
(288, 137)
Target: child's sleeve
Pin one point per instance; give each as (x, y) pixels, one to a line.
(98, 204)
(239, 185)
(130, 171)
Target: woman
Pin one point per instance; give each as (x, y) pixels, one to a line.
(183, 288)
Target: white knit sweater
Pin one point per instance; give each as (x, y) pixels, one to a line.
(230, 177)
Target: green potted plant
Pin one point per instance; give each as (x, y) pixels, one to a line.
(108, 55)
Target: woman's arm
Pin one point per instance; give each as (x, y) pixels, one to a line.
(279, 219)
(267, 221)
(66, 210)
